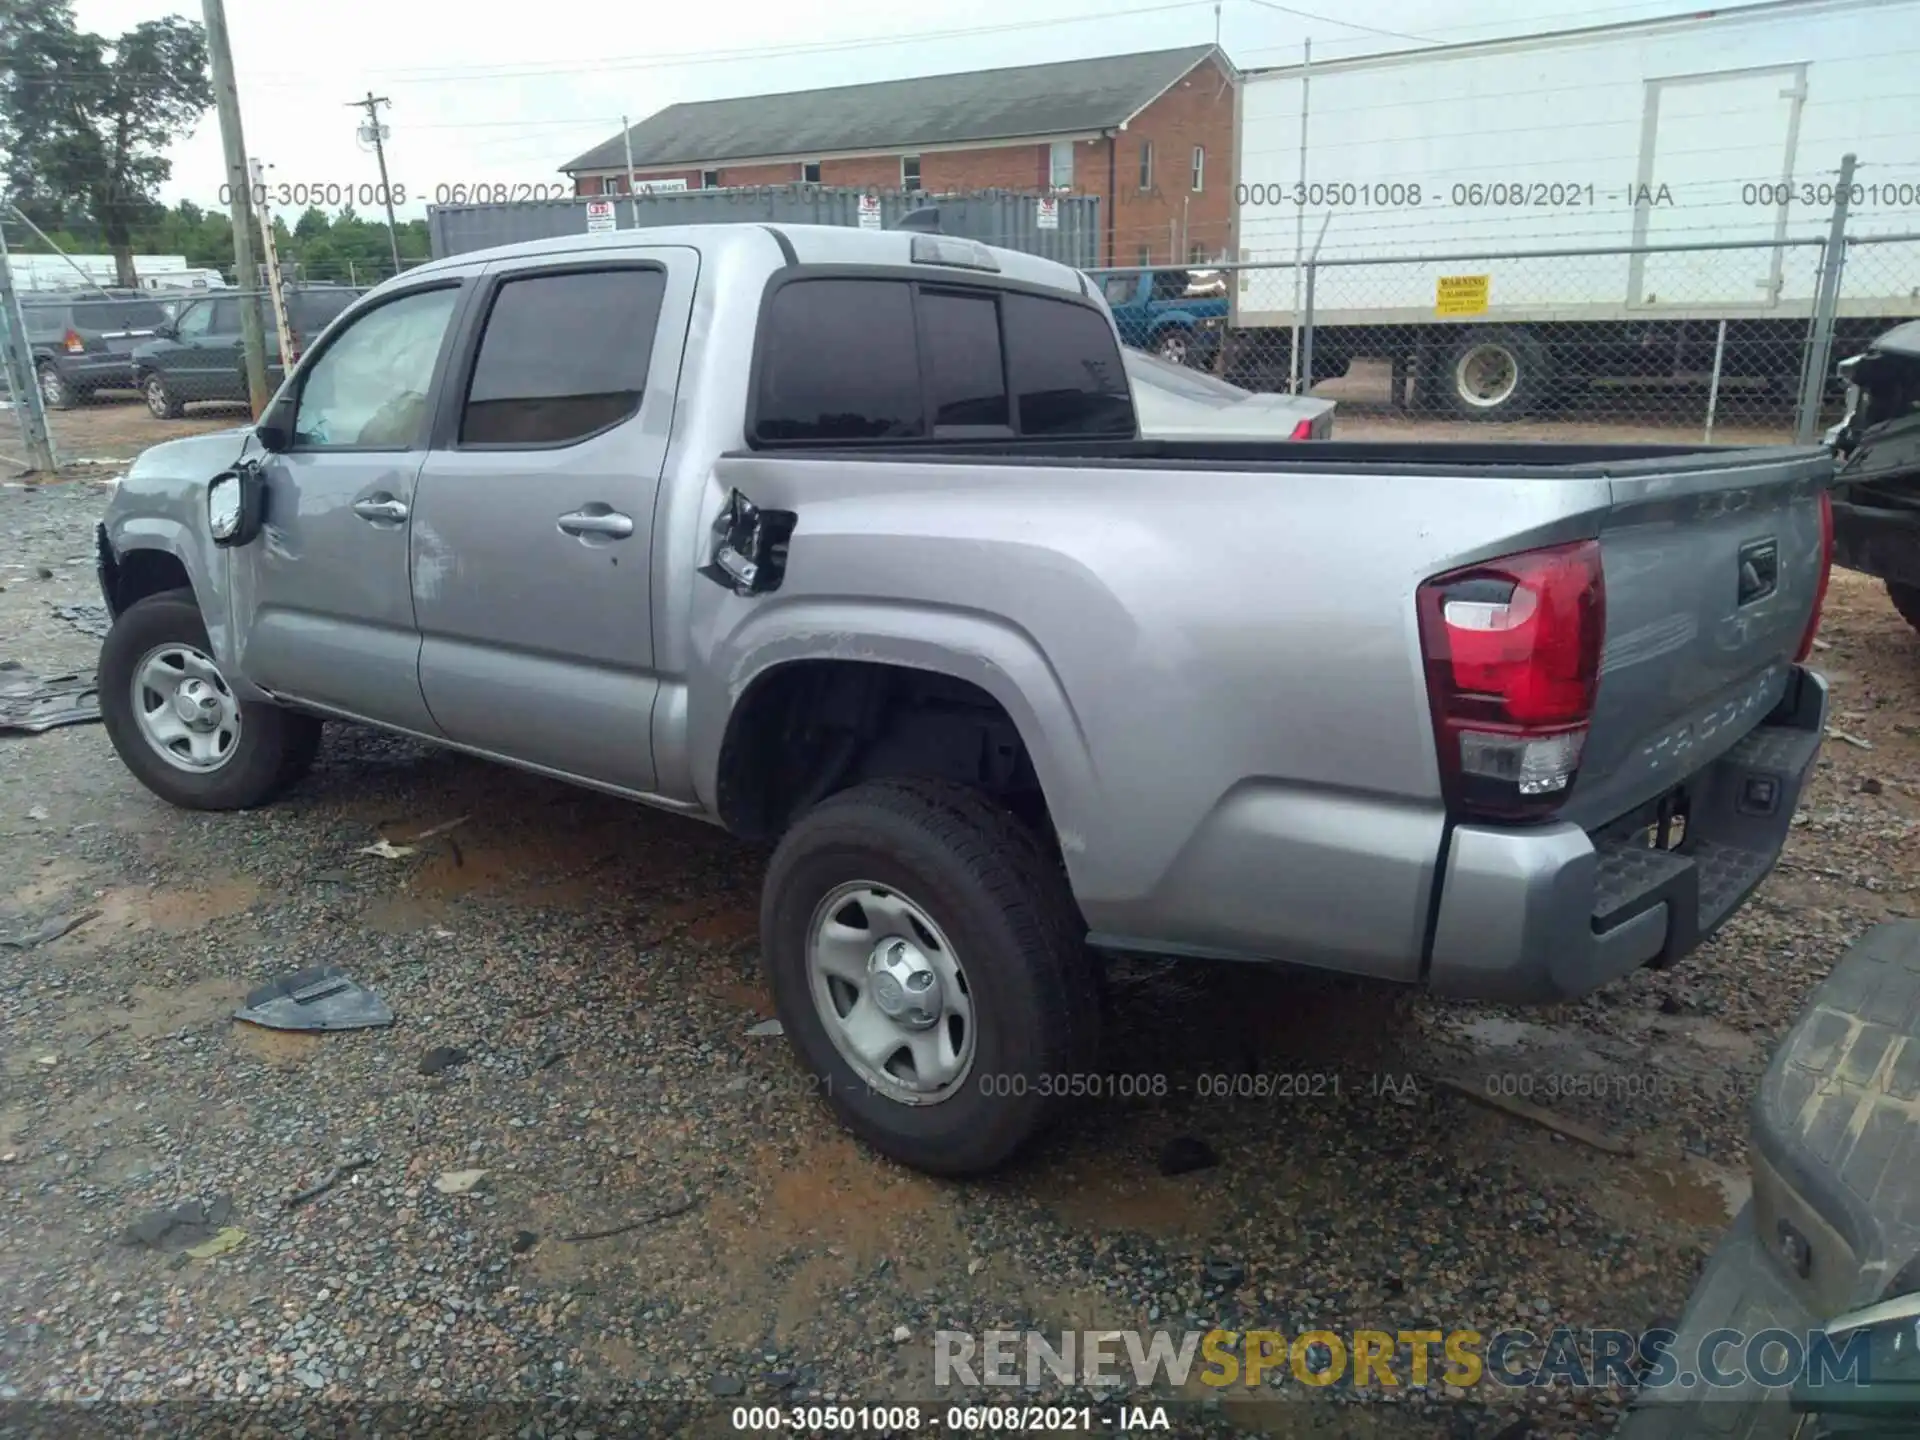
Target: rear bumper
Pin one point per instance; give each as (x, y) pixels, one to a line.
(1553, 912)
(97, 372)
(1876, 541)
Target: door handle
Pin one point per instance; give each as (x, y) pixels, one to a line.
(610, 523)
(380, 508)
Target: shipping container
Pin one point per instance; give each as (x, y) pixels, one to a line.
(1060, 227)
(1722, 128)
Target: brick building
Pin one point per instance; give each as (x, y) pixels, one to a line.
(1150, 134)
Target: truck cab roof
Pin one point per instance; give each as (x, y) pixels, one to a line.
(793, 244)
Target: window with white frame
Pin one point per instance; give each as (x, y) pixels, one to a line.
(810, 172)
(1146, 164)
(709, 179)
(1060, 165)
(1199, 167)
(909, 172)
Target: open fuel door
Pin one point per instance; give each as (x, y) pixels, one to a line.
(747, 552)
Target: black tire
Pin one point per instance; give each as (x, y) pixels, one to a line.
(275, 748)
(1513, 366)
(1004, 904)
(1906, 599)
(162, 403)
(56, 391)
(1175, 346)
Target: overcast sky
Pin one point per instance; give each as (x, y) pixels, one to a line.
(479, 101)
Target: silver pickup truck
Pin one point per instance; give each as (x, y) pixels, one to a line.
(849, 540)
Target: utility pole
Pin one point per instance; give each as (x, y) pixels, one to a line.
(271, 251)
(21, 379)
(240, 199)
(1813, 384)
(372, 106)
(633, 199)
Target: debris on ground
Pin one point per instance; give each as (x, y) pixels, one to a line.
(767, 1027)
(229, 1237)
(181, 1226)
(94, 620)
(442, 1057)
(49, 930)
(33, 703)
(326, 1182)
(442, 828)
(321, 998)
(460, 1182)
(679, 1208)
(386, 850)
(523, 1241)
(1546, 1119)
(1844, 738)
(38, 814)
(1184, 1154)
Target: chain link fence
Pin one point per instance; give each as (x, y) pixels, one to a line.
(1680, 342)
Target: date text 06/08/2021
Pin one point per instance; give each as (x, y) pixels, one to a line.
(900, 1420)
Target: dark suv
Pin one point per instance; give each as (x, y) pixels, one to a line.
(84, 341)
(198, 354)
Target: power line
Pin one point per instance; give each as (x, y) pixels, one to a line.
(1348, 24)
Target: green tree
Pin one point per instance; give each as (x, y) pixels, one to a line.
(85, 122)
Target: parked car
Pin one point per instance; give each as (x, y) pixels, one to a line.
(874, 563)
(198, 354)
(1827, 1250)
(1176, 403)
(1174, 313)
(83, 341)
(1876, 506)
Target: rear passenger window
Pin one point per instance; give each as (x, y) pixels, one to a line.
(1067, 375)
(838, 363)
(562, 357)
(965, 368)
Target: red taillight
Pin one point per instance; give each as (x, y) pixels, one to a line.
(1826, 573)
(75, 345)
(1513, 664)
(1303, 431)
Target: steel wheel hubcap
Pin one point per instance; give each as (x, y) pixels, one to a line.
(185, 709)
(890, 993)
(1486, 375)
(156, 395)
(50, 384)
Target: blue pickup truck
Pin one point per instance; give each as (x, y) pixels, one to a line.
(1179, 315)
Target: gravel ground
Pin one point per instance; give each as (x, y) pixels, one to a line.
(596, 963)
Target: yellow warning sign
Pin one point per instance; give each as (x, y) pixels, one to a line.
(1461, 294)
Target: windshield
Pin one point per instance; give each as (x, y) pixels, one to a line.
(118, 314)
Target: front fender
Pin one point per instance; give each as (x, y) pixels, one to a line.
(985, 650)
(161, 506)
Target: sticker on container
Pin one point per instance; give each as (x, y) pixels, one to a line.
(600, 216)
(869, 212)
(1047, 214)
(1461, 294)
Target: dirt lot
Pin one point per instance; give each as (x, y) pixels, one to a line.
(597, 964)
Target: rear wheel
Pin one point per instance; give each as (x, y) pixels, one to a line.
(928, 964)
(55, 389)
(1175, 347)
(160, 398)
(1494, 375)
(1906, 599)
(176, 723)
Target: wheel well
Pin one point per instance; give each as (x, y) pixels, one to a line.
(813, 727)
(140, 573)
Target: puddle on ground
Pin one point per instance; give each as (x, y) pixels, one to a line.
(135, 909)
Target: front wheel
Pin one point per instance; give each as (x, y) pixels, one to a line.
(177, 724)
(1175, 347)
(928, 964)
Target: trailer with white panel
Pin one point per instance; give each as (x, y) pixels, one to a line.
(1493, 162)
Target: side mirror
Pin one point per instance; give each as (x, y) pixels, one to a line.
(235, 501)
(166, 331)
(274, 428)
(1870, 1375)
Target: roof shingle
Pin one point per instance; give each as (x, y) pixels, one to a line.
(1065, 97)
